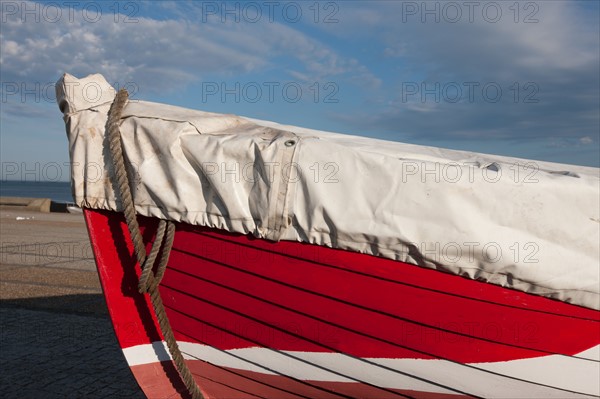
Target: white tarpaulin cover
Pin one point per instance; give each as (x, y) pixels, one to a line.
(529, 225)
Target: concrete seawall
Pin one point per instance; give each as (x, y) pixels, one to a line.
(25, 203)
(33, 204)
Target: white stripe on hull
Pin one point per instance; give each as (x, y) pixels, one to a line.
(562, 372)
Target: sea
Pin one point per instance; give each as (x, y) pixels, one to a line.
(56, 191)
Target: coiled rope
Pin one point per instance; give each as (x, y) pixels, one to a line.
(163, 243)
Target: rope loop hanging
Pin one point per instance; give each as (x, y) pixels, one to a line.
(149, 280)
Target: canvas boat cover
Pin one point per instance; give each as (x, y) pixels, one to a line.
(529, 225)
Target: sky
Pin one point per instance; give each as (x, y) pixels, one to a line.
(510, 78)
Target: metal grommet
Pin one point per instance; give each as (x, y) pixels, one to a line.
(290, 143)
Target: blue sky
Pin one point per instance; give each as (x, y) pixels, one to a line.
(510, 78)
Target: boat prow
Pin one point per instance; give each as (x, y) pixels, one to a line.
(294, 320)
(246, 259)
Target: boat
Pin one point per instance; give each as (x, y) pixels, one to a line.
(72, 208)
(247, 259)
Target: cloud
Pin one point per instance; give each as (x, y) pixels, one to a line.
(161, 54)
(547, 71)
(586, 140)
(377, 53)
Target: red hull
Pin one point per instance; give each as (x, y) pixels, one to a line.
(291, 320)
